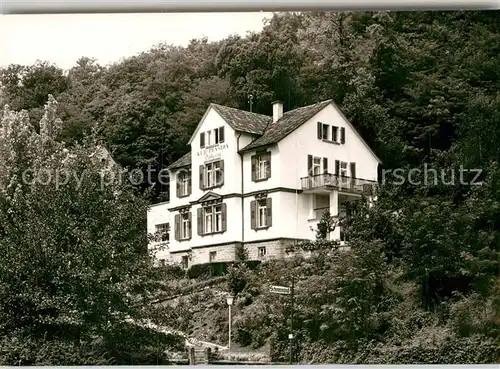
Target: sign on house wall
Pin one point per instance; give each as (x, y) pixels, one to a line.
(212, 153)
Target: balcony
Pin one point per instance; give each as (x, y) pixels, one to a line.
(323, 183)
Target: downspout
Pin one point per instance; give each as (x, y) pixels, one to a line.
(242, 187)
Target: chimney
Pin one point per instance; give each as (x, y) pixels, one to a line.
(277, 110)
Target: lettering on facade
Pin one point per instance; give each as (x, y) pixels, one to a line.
(212, 153)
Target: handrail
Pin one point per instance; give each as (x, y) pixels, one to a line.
(341, 182)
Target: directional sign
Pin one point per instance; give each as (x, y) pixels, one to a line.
(280, 290)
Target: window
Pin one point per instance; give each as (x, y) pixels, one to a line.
(335, 134)
(261, 252)
(261, 213)
(217, 218)
(261, 166)
(212, 175)
(323, 131)
(316, 166)
(219, 135)
(185, 261)
(163, 231)
(183, 184)
(212, 219)
(212, 256)
(183, 226)
(208, 220)
(208, 138)
(343, 169)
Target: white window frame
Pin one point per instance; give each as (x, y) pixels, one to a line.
(217, 218)
(262, 166)
(184, 186)
(262, 252)
(208, 138)
(163, 229)
(217, 171)
(316, 164)
(184, 226)
(343, 169)
(208, 220)
(209, 175)
(261, 214)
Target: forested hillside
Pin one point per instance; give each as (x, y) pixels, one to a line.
(421, 283)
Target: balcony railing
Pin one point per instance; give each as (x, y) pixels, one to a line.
(328, 180)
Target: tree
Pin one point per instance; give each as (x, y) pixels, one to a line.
(74, 262)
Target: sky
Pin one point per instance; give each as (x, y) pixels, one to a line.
(63, 38)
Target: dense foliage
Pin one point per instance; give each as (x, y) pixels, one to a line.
(74, 265)
(420, 284)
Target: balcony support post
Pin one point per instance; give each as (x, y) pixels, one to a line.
(334, 211)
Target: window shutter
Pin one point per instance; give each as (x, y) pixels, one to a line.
(177, 221)
(202, 140)
(253, 210)
(353, 170)
(221, 173)
(189, 184)
(342, 135)
(269, 210)
(268, 172)
(202, 177)
(190, 225)
(319, 130)
(221, 134)
(337, 167)
(199, 217)
(224, 217)
(254, 167)
(178, 183)
(325, 165)
(309, 165)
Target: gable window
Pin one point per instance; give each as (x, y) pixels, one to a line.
(212, 175)
(212, 219)
(219, 135)
(261, 252)
(335, 134)
(183, 184)
(323, 131)
(183, 226)
(208, 138)
(261, 166)
(212, 256)
(163, 231)
(261, 213)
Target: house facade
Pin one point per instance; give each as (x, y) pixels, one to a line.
(260, 183)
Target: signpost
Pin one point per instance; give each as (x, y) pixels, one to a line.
(282, 290)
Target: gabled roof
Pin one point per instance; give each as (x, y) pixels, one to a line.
(184, 161)
(243, 121)
(288, 123)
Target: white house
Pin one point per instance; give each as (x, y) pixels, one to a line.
(260, 182)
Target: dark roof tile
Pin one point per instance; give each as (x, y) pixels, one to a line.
(184, 161)
(243, 121)
(288, 123)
